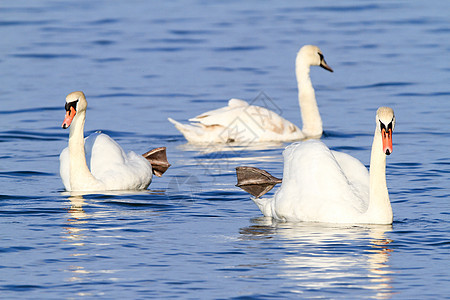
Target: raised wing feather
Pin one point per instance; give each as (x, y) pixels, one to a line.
(221, 116)
(241, 116)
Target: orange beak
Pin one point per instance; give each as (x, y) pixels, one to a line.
(387, 140)
(70, 114)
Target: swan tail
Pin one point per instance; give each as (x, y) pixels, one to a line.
(177, 124)
(183, 128)
(158, 159)
(255, 181)
(187, 130)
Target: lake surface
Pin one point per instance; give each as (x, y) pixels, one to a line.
(193, 234)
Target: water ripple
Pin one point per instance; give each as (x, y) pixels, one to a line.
(135, 95)
(191, 32)
(381, 84)
(433, 94)
(23, 23)
(346, 8)
(30, 135)
(239, 69)
(29, 110)
(48, 56)
(190, 41)
(21, 174)
(104, 21)
(238, 48)
(15, 249)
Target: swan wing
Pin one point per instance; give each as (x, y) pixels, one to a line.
(220, 115)
(242, 122)
(223, 116)
(269, 123)
(315, 187)
(212, 126)
(64, 168)
(356, 173)
(117, 170)
(88, 145)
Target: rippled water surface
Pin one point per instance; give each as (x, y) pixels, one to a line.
(193, 234)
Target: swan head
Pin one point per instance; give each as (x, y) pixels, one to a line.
(75, 103)
(312, 56)
(385, 125)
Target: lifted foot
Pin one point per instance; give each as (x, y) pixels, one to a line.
(255, 181)
(158, 159)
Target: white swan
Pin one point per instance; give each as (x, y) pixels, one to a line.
(241, 122)
(320, 185)
(110, 167)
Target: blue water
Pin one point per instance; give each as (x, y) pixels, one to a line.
(193, 234)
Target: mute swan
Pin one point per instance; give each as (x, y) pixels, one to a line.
(320, 185)
(241, 122)
(110, 167)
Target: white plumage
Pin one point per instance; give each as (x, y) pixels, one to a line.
(321, 185)
(244, 123)
(110, 168)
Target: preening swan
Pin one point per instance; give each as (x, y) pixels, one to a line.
(241, 122)
(320, 185)
(110, 167)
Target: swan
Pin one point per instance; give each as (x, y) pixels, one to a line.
(110, 167)
(242, 122)
(321, 185)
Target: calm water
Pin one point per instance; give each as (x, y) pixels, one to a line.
(193, 234)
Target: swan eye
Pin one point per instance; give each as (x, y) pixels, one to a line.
(71, 104)
(320, 55)
(382, 126)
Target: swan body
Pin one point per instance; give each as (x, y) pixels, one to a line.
(110, 168)
(321, 185)
(238, 122)
(243, 123)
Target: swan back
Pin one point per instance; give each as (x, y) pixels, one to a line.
(239, 122)
(116, 169)
(315, 187)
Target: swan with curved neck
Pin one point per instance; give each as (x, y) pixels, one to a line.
(241, 122)
(110, 167)
(321, 185)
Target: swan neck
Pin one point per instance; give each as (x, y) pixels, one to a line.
(379, 209)
(79, 171)
(76, 135)
(312, 123)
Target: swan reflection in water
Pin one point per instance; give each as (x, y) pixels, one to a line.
(75, 235)
(86, 234)
(327, 257)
